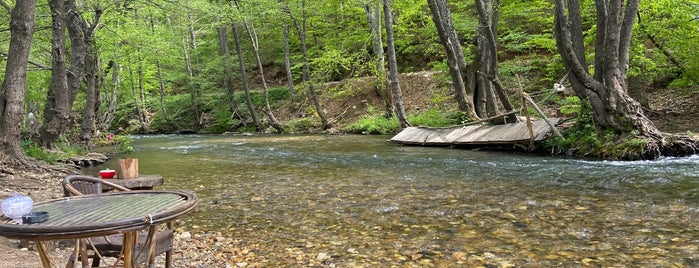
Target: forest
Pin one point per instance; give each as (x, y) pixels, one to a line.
(100, 68)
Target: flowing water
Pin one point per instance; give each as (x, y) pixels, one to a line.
(360, 201)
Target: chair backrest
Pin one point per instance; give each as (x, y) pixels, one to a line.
(85, 185)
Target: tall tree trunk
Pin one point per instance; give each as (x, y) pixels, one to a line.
(134, 91)
(91, 109)
(161, 79)
(455, 59)
(65, 82)
(612, 108)
(287, 63)
(393, 67)
(190, 44)
(55, 110)
(111, 96)
(244, 79)
(225, 53)
(14, 83)
(306, 77)
(250, 28)
(373, 12)
(92, 80)
(487, 55)
(141, 97)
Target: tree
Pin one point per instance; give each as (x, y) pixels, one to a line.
(373, 13)
(306, 76)
(488, 80)
(254, 40)
(459, 70)
(225, 53)
(606, 89)
(65, 81)
(244, 79)
(190, 45)
(13, 86)
(477, 88)
(393, 67)
(93, 78)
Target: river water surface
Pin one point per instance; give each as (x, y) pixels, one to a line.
(360, 201)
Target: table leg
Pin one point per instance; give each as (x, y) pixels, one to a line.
(128, 243)
(84, 258)
(152, 230)
(45, 260)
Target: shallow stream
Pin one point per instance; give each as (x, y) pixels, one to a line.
(360, 201)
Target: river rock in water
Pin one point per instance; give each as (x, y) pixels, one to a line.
(90, 159)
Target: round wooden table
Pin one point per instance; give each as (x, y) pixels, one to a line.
(97, 215)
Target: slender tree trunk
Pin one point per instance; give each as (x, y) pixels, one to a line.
(134, 91)
(190, 44)
(455, 59)
(161, 79)
(373, 12)
(225, 53)
(287, 63)
(393, 67)
(141, 97)
(14, 83)
(111, 97)
(91, 109)
(250, 28)
(244, 79)
(487, 55)
(306, 77)
(64, 88)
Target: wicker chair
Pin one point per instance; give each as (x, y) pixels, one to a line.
(111, 246)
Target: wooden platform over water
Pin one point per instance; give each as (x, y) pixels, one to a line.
(484, 135)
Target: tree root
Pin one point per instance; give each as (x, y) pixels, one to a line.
(678, 145)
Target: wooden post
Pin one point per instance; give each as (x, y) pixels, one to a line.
(536, 107)
(526, 113)
(127, 168)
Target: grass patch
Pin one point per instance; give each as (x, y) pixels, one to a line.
(378, 123)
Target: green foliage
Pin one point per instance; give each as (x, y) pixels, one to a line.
(34, 150)
(437, 118)
(571, 106)
(517, 41)
(304, 124)
(378, 123)
(122, 142)
(334, 64)
(525, 26)
(672, 24)
(223, 121)
(374, 124)
(179, 116)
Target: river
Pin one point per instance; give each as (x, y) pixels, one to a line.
(361, 201)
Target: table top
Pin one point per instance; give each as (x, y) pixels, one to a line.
(142, 182)
(102, 214)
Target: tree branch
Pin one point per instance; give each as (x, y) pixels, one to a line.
(39, 65)
(576, 66)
